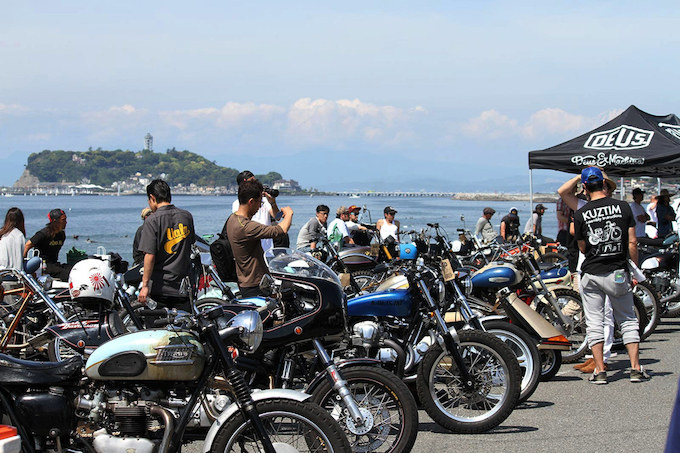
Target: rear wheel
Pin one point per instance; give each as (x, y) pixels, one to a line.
(569, 302)
(650, 299)
(551, 360)
(365, 279)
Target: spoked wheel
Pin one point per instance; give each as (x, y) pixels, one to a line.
(365, 279)
(525, 350)
(495, 390)
(649, 297)
(571, 305)
(292, 427)
(551, 361)
(389, 409)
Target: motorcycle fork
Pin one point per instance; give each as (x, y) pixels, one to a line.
(338, 383)
(241, 390)
(539, 288)
(449, 336)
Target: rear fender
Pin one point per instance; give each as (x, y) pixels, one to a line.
(320, 377)
(257, 396)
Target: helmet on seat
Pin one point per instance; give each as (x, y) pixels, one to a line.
(91, 281)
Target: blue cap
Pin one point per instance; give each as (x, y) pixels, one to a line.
(591, 174)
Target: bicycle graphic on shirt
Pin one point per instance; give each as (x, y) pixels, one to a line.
(610, 232)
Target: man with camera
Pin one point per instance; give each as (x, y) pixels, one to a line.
(268, 209)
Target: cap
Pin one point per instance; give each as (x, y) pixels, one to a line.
(55, 214)
(489, 211)
(244, 175)
(353, 208)
(389, 209)
(666, 193)
(638, 191)
(610, 182)
(341, 210)
(540, 206)
(146, 212)
(591, 174)
(513, 209)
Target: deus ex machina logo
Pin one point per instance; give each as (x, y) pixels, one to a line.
(175, 236)
(622, 138)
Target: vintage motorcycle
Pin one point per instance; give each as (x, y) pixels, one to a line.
(660, 261)
(304, 319)
(153, 390)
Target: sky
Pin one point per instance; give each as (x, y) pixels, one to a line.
(439, 95)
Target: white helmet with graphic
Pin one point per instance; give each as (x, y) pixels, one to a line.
(92, 281)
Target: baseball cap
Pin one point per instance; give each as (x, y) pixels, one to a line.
(55, 214)
(591, 174)
(489, 211)
(638, 191)
(513, 209)
(389, 209)
(146, 212)
(540, 206)
(244, 175)
(341, 210)
(353, 208)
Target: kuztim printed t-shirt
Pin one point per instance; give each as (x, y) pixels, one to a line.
(48, 246)
(168, 234)
(603, 225)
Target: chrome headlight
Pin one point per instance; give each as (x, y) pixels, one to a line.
(251, 329)
(46, 282)
(467, 284)
(440, 289)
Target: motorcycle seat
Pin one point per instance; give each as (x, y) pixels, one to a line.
(651, 242)
(15, 371)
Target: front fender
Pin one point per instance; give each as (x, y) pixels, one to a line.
(257, 396)
(319, 378)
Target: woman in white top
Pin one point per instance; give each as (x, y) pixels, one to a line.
(12, 239)
(388, 226)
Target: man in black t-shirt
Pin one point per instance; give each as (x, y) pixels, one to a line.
(605, 231)
(166, 241)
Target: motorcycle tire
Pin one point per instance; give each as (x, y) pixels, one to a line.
(365, 279)
(652, 303)
(393, 410)
(552, 257)
(577, 336)
(526, 351)
(551, 361)
(303, 427)
(496, 374)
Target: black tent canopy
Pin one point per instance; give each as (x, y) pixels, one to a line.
(634, 143)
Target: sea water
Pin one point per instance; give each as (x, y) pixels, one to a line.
(111, 221)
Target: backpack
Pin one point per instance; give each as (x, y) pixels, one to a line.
(223, 257)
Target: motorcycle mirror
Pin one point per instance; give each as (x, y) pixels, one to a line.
(267, 284)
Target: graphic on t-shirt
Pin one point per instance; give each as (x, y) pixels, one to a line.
(175, 236)
(604, 234)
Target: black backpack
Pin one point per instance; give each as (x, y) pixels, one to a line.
(223, 257)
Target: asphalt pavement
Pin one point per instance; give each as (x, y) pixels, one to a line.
(569, 414)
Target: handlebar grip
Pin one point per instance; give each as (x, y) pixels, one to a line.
(156, 312)
(162, 322)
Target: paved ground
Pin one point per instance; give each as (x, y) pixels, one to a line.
(568, 414)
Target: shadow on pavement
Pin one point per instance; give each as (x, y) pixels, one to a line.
(503, 429)
(534, 404)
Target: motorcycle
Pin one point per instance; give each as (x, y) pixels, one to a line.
(468, 380)
(153, 390)
(304, 319)
(660, 261)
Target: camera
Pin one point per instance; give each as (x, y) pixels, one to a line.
(273, 192)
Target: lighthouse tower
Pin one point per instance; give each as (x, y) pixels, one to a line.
(148, 142)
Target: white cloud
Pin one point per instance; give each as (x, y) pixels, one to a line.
(489, 125)
(552, 121)
(13, 109)
(232, 115)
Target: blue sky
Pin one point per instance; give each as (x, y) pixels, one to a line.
(366, 95)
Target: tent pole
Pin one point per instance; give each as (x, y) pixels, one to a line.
(623, 190)
(531, 190)
(658, 185)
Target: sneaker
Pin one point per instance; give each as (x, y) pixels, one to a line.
(638, 375)
(598, 378)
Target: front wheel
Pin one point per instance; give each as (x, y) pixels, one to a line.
(551, 361)
(389, 409)
(496, 384)
(291, 426)
(646, 292)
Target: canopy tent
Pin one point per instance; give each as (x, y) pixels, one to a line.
(634, 143)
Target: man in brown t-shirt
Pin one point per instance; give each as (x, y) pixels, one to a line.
(245, 234)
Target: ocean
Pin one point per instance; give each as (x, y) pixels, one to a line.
(110, 222)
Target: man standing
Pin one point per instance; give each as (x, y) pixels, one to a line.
(166, 241)
(268, 210)
(641, 216)
(337, 232)
(244, 236)
(563, 213)
(605, 231)
(313, 229)
(484, 227)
